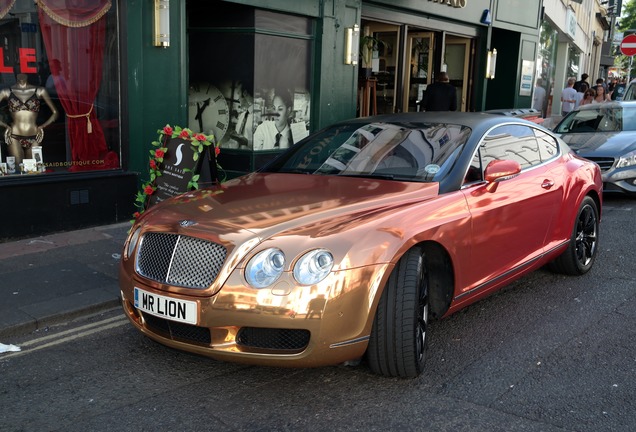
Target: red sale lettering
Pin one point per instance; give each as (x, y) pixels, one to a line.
(27, 55)
(3, 68)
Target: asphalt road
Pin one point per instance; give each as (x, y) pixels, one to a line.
(548, 353)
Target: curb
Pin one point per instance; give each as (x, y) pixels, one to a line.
(39, 323)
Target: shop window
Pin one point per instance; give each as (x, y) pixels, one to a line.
(59, 87)
(255, 99)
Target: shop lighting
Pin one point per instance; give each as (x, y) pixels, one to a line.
(162, 23)
(491, 64)
(352, 45)
(485, 17)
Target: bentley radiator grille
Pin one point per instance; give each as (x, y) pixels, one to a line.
(273, 339)
(179, 260)
(178, 331)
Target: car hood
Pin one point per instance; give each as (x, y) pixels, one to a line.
(268, 204)
(606, 143)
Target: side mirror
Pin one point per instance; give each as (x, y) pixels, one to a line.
(499, 170)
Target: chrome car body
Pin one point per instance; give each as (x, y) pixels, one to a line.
(606, 134)
(347, 244)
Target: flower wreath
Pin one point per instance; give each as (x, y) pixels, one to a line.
(198, 141)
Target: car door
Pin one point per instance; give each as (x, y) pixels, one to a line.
(511, 222)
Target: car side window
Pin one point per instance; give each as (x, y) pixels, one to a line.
(475, 172)
(511, 142)
(630, 93)
(548, 145)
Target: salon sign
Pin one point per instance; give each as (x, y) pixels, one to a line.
(453, 3)
(571, 23)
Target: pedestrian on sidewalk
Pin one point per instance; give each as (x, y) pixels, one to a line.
(441, 95)
(538, 97)
(568, 97)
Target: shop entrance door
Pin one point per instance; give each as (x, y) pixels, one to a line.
(457, 59)
(418, 72)
(377, 81)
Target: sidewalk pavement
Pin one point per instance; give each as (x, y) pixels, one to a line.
(50, 279)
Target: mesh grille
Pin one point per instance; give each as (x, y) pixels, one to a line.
(604, 163)
(179, 260)
(179, 331)
(268, 338)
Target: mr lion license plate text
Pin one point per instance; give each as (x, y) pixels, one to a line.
(184, 311)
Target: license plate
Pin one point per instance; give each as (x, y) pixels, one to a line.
(184, 311)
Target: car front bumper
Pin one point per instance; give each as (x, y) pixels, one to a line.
(277, 326)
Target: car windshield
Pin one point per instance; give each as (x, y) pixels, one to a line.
(395, 151)
(599, 119)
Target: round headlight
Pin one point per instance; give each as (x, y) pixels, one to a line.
(313, 267)
(132, 242)
(265, 268)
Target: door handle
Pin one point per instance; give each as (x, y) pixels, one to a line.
(547, 184)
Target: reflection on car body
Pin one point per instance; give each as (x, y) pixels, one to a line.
(348, 243)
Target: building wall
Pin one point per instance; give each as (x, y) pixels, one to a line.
(154, 88)
(580, 29)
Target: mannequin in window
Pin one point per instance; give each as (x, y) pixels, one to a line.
(24, 102)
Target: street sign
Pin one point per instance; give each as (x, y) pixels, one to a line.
(628, 45)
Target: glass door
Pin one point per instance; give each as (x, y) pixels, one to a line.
(419, 69)
(457, 59)
(377, 78)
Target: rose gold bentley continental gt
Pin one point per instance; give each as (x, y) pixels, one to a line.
(347, 244)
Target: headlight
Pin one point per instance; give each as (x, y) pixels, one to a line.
(313, 267)
(628, 159)
(132, 242)
(265, 268)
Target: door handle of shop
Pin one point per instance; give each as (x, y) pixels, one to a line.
(547, 184)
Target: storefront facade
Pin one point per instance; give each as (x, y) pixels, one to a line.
(572, 35)
(228, 68)
(61, 152)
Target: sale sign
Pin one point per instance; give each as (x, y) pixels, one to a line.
(28, 62)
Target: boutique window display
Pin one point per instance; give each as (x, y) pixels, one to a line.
(59, 81)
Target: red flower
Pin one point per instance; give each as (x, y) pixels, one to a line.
(136, 215)
(184, 134)
(153, 164)
(167, 130)
(148, 190)
(159, 153)
(217, 150)
(199, 137)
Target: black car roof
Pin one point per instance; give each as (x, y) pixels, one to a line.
(474, 120)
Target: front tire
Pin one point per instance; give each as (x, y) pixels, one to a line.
(580, 255)
(398, 338)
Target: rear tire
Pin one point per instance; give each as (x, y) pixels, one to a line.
(579, 257)
(398, 338)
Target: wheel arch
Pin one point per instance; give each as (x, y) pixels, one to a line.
(598, 200)
(441, 277)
